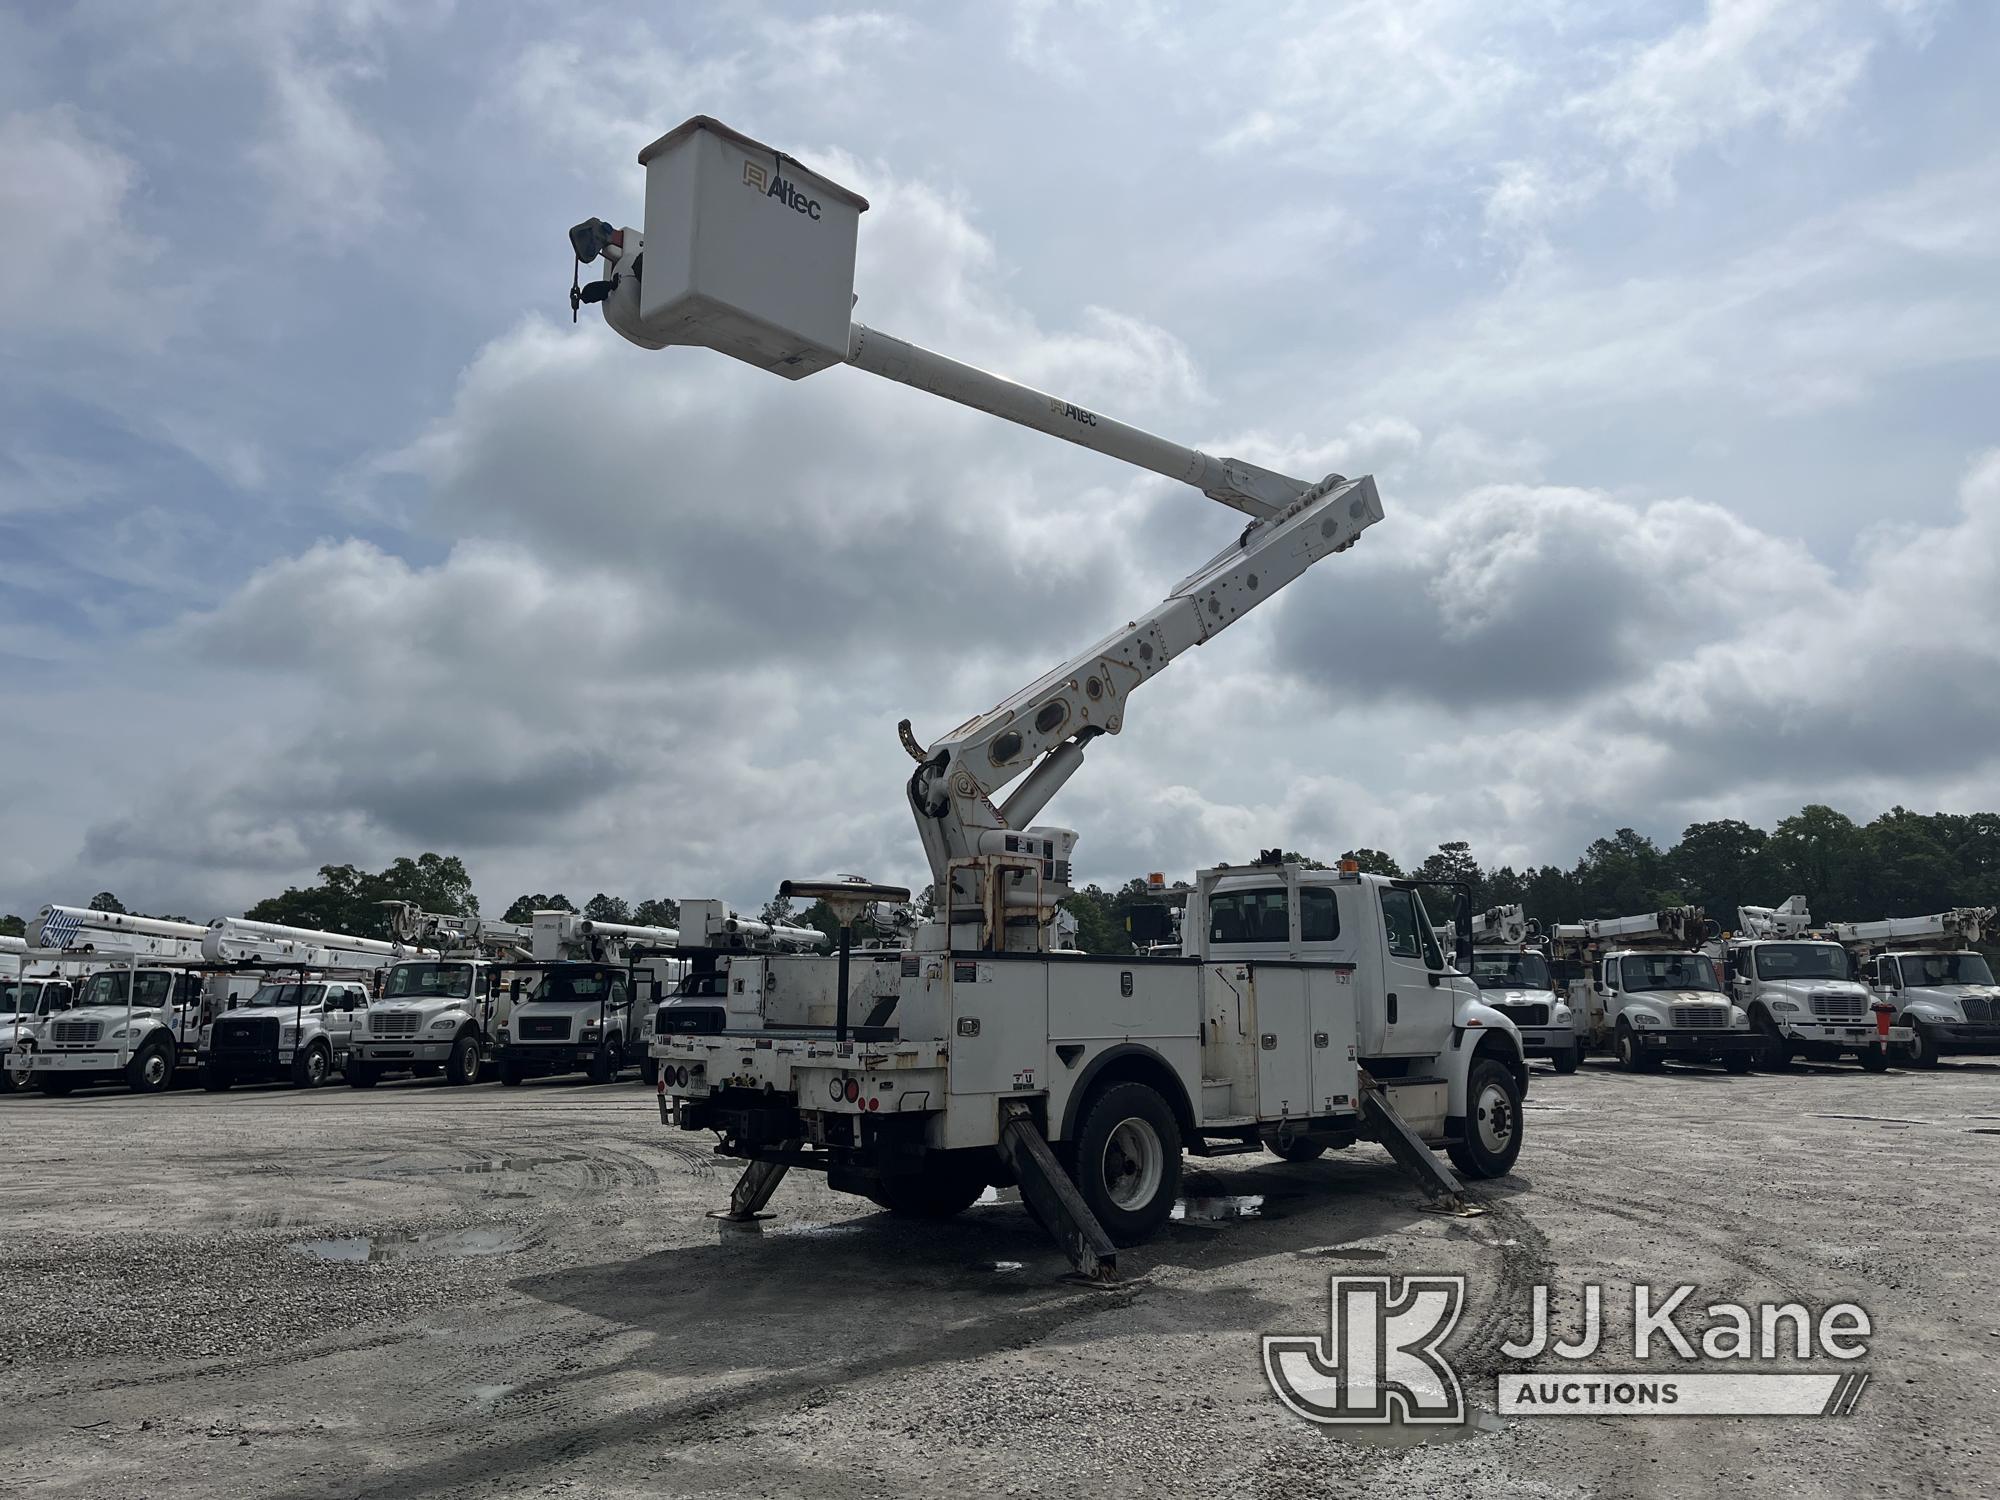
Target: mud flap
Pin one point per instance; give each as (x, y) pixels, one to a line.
(1419, 1163)
(1053, 1196)
(754, 1188)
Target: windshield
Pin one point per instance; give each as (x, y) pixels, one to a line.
(151, 989)
(11, 999)
(409, 981)
(585, 985)
(288, 995)
(1510, 971)
(1782, 961)
(1666, 971)
(1945, 968)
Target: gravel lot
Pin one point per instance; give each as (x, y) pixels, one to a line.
(430, 1291)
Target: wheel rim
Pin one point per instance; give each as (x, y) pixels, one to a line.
(1628, 1051)
(471, 1064)
(153, 1070)
(1134, 1164)
(315, 1067)
(1496, 1118)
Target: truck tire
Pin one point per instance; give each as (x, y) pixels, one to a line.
(13, 1079)
(1873, 1060)
(1128, 1161)
(1777, 1054)
(1739, 1062)
(363, 1075)
(462, 1067)
(1492, 1121)
(216, 1080)
(1568, 1060)
(1631, 1056)
(1297, 1150)
(649, 1069)
(152, 1071)
(426, 1070)
(58, 1085)
(312, 1067)
(604, 1065)
(511, 1075)
(940, 1193)
(1924, 1051)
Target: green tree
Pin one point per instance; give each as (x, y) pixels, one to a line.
(1623, 875)
(13, 926)
(523, 908)
(1724, 864)
(350, 900)
(1374, 862)
(1096, 931)
(1907, 867)
(105, 901)
(1818, 854)
(1454, 861)
(657, 912)
(603, 908)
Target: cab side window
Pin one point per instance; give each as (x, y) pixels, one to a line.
(1399, 918)
(1319, 914)
(1261, 916)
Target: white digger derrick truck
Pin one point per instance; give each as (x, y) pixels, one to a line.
(138, 1018)
(1312, 1008)
(586, 1001)
(298, 1027)
(1640, 988)
(1510, 964)
(1929, 973)
(1794, 981)
(441, 1004)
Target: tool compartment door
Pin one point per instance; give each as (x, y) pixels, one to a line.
(999, 1024)
(1279, 1032)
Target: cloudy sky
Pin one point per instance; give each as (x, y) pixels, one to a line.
(1670, 331)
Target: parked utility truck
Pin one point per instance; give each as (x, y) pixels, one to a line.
(1312, 1009)
(1794, 982)
(586, 1002)
(1640, 988)
(1510, 964)
(441, 1005)
(139, 1017)
(1933, 978)
(298, 1026)
(30, 993)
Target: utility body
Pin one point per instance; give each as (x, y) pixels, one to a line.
(1794, 982)
(1928, 971)
(1640, 988)
(1318, 1009)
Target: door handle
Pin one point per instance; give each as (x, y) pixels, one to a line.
(1392, 1009)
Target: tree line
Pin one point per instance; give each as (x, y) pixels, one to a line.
(1902, 863)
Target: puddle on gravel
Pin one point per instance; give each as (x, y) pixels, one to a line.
(1414, 1434)
(1218, 1210)
(486, 1397)
(360, 1249)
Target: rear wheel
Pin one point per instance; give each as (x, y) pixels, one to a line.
(936, 1194)
(363, 1075)
(463, 1065)
(1128, 1161)
(152, 1071)
(311, 1067)
(1296, 1150)
(1492, 1136)
(1568, 1059)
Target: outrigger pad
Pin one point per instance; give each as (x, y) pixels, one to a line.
(1418, 1161)
(754, 1188)
(1054, 1198)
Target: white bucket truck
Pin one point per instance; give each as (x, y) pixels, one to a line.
(1510, 964)
(585, 1003)
(298, 1026)
(1930, 974)
(1640, 989)
(1794, 981)
(439, 1007)
(1312, 1009)
(30, 993)
(139, 1017)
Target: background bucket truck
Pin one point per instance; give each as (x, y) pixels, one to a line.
(298, 1026)
(441, 1003)
(30, 993)
(1640, 988)
(1794, 983)
(585, 1003)
(1510, 964)
(1926, 970)
(1313, 1008)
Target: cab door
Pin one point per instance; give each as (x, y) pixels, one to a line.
(1418, 999)
(336, 1017)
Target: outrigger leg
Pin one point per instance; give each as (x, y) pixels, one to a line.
(1054, 1198)
(1419, 1163)
(753, 1189)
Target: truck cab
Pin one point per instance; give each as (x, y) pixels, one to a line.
(433, 1016)
(1947, 1000)
(577, 1016)
(25, 1007)
(1517, 983)
(1654, 1005)
(137, 1026)
(297, 1031)
(1802, 1003)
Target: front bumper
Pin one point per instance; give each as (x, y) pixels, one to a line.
(1698, 1046)
(549, 1057)
(393, 1050)
(1969, 1036)
(1848, 1036)
(1546, 1041)
(95, 1060)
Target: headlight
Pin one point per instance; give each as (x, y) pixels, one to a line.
(1562, 1014)
(1643, 1018)
(503, 1031)
(289, 1034)
(1737, 1017)
(124, 1031)
(445, 1023)
(1784, 1005)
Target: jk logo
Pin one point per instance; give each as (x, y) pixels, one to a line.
(1379, 1361)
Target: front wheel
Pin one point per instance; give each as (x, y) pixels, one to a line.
(311, 1068)
(1873, 1060)
(216, 1079)
(605, 1064)
(152, 1071)
(1492, 1136)
(462, 1067)
(14, 1078)
(1738, 1062)
(363, 1075)
(1631, 1056)
(1568, 1060)
(1296, 1150)
(58, 1084)
(1128, 1161)
(1777, 1051)
(1924, 1051)
(511, 1075)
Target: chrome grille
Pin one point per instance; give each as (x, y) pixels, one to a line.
(393, 1023)
(543, 1028)
(1525, 1015)
(73, 1032)
(1700, 1017)
(1978, 1008)
(1838, 1007)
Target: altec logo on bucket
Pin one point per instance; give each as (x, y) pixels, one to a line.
(762, 179)
(1382, 1359)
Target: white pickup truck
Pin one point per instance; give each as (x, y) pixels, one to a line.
(296, 1031)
